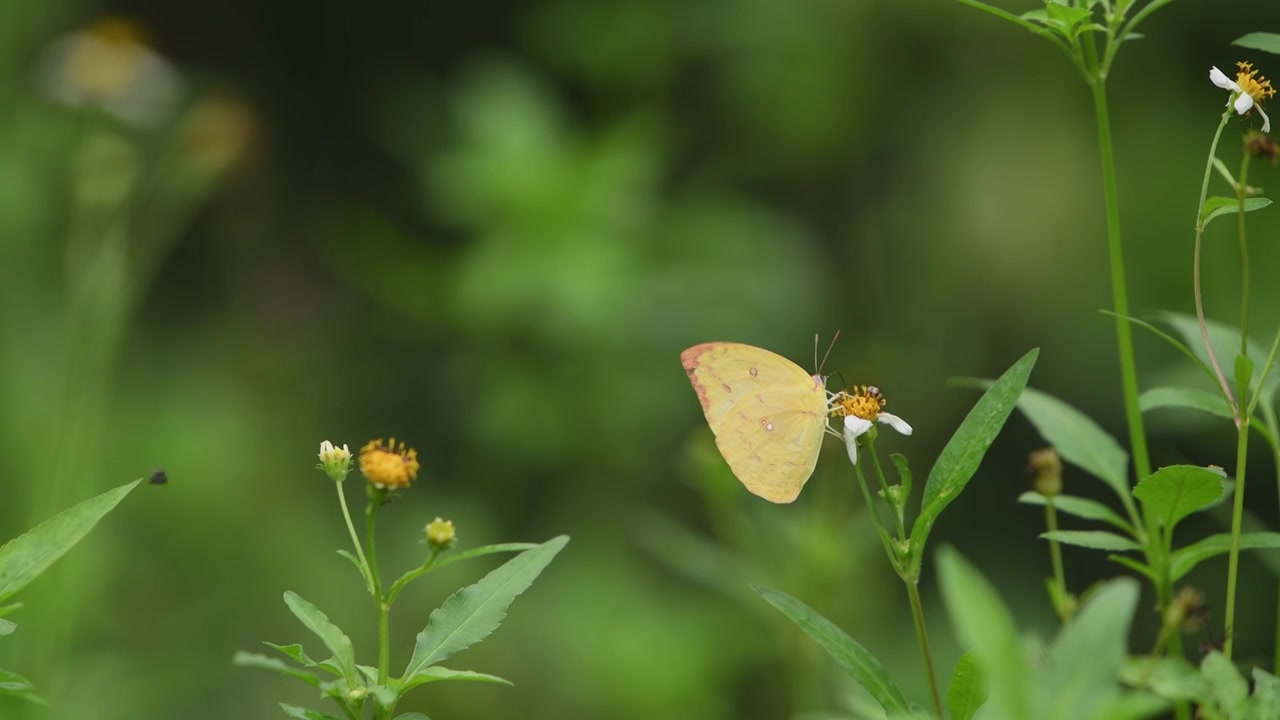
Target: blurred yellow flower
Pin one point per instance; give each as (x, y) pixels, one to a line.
(440, 533)
(388, 466)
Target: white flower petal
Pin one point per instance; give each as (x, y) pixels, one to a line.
(855, 425)
(1243, 103)
(1217, 77)
(895, 422)
(851, 443)
(1266, 121)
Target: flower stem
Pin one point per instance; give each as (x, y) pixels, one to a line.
(355, 539)
(1237, 514)
(1119, 290)
(1055, 557)
(917, 615)
(884, 485)
(383, 608)
(1223, 385)
(1241, 187)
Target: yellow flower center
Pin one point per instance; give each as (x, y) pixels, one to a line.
(864, 402)
(389, 465)
(1258, 87)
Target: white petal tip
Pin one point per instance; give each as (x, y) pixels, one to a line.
(895, 422)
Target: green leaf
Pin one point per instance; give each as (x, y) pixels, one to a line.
(299, 655)
(1175, 342)
(1177, 397)
(1224, 338)
(7, 627)
(1244, 372)
(1095, 539)
(294, 711)
(1174, 492)
(385, 696)
(1184, 560)
(1218, 206)
(6, 609)
(1078, 439)
(14, 685)
(1229, 688)
(258, 660)
(1005, 16)
(968, 688)
(412, 716)
(471, 614)
(1264, 41)
(861, 665)
(1171, 678)
(1068, 18)
(23, 558)
(436, 673)
(1080, 507)
(1265, 703)
(959, 460)
(1085, 658)
(331, 635)
(985, 626)
(1136, 566)
(359, 567)
(484, 550)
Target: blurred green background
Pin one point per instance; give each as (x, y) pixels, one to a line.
(489, 229)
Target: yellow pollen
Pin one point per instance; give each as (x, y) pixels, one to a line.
(389, 465)
(1258, 87)
(864, 402)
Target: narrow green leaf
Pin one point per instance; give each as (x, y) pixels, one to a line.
(359, 568)
(861, 665)
(331, 635)
(14, 685)
(1229, 689)
(294, 711)
(986, 628)
(1135, 565)
(436, 673)
(471, 614)
(1004, 15)
(1067, 18)
(484, 550)
(1094, 539)
(963, 454)
(1264, 41)
(258, 660)
(6, 609)
(1225, 340)
(1080, 507)
(1177, 397)
(1219, 206)
(296, 653)
(1184, 560)
(23, 558)
(1174, 492)
(1244, 372)
(1083, 662)
(1173, 341)
(1077, 438)
(968, 688)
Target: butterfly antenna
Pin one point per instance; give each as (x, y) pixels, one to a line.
(828, 353)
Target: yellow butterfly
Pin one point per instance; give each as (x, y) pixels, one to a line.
(767, 413)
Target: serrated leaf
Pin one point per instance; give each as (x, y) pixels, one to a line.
(471, 614)
(331, 635)
(861, 665)
(14, 685)
(1077, 438)
(1174, 492)
(294, 711)
(963, 454)
(23, 558)
(1079, 507)
(258, 660)
(1184, 560)
(985, 627)
(1177, 397)
(968, 689)
(1264, 41)
(437, 673)
(1084, 659)
(1094, 539)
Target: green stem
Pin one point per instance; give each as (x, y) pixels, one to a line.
(884, 485)
(355, 539)
(1237, 515)
(412, 575)
(1244, 266)
(922, 635)
(1055, 555)
(1223, 385)
(1120, 296)
(383, 608)
(1269, 418)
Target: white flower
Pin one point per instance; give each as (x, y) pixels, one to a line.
(335, 461)
(1248, 90)
(861, 409)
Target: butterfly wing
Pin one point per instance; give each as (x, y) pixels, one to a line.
(767, 414)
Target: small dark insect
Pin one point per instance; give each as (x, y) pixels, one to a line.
(159, 478)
